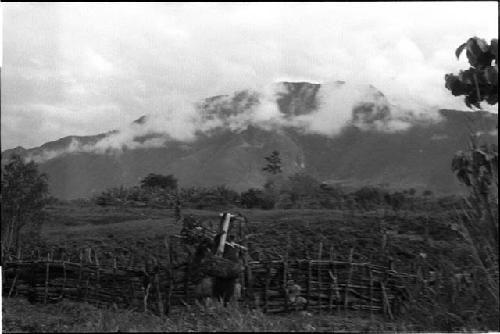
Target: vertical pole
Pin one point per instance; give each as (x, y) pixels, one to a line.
(47, 266)
(387, 305)
(114, 272)
(170, 276)
(308, 286)
(89, 254)
(80, 275)
(346, 294)
(285, 271)
(98, 283)
(64, 279)
(371, 294)
(186, 282)
(226, 217)
(320, 251)
(250, 293)
(330, 289)
(266, 286)
(12, 287)
(161, 309)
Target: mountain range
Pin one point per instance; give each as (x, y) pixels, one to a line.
(367, 150)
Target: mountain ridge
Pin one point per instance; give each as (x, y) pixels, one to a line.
(360, 154)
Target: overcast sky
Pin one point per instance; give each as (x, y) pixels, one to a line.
(80, 69)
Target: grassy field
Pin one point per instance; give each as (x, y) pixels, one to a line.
(20, 316)
(136, 232)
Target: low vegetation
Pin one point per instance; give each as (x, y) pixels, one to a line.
(20, 316)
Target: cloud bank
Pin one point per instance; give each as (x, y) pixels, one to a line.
(82, 69)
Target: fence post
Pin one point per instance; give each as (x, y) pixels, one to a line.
(371, 293)
(80, 275)
(158, 293)
(308, 286)
(320, 251)
(266, 285)
(387, 304)
(13, 282)
(285, 271)
(170, 276)
(47, 266)
(64, 280)
(346, 291)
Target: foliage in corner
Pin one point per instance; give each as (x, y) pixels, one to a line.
(477, 167)
(480, 82)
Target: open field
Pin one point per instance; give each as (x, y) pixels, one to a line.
(136, 231)
(132, 234)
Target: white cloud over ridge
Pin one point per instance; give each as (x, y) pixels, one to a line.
(82, 69)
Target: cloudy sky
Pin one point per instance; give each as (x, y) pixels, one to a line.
(80, 69)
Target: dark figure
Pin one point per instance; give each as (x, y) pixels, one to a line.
(224, 288)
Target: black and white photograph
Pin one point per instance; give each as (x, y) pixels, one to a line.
(249, 167)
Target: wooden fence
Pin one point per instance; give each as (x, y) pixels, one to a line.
(325, 286)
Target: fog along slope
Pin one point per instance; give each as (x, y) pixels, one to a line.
(362, 153)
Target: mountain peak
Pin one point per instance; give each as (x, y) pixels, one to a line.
(141, 120)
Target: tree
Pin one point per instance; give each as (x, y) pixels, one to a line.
(24, 194)
(157, 181)
(273, 163)
(480, 82)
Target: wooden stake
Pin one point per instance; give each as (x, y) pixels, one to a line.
(64, 280)
(266, 286)
(285, 271)
(158, 294)
(346, 292)
(47, 280)
(170, 277)
(308, 286)
(330, 292)
(13, 283)
(89, 253)
(80, 274)
(371, 294)
(146, 294)
(387, 305)
(320, 251)
(226, 218)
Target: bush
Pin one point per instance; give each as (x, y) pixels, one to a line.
(256, 198)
